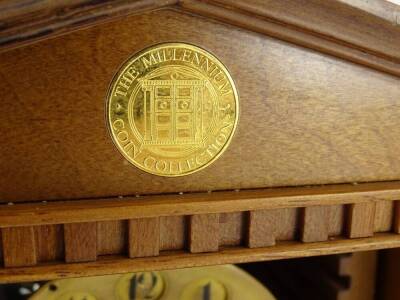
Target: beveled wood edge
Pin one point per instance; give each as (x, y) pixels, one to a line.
(76, 18)
(25, 30)
(297, 35)
(61, 212)
(107, 265)
(382, 9)
(337, 8)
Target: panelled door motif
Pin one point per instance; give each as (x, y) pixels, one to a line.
(173, 111)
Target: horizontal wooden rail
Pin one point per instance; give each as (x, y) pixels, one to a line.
(193, 203)
(103, 236)
(172, 260)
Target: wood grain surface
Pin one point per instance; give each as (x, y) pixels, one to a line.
(173, 260)
(342, 26)
(112, 237)
(306, 118)
(49, 242)
(204, 233)
(80, 242)
(261, 228)
(173, 232)
(231, 228)
(336, 223)
(19, 246)
(360, 220)
(144, 237)
(384, 214)
(315, 227)
(152, 226)
(361, 31)
(273, 18)
(288, 200)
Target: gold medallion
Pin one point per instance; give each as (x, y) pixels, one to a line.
(172, 109)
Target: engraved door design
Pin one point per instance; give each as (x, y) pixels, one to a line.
(173, 112)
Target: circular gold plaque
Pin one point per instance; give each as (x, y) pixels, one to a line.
(172, 109)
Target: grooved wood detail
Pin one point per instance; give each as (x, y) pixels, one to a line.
(360, 220)
(261, 228)
(204, 233)
(315, 224)
(384, 214)
(19, 246)
(336, 224)
(49, 242)
(359, 35)
(197, 233)
(287, 223)
(112, 237)
(318, 113)
(232, 228)
(80, 242)
(144, 237)
(173, 232)
(180, 259)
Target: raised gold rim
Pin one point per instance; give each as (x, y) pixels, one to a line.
(126, 64)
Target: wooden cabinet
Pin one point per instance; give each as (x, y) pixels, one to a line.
(312, 169)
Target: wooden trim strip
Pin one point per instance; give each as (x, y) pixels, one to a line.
(204, 233)
(80, 242)
(297, 35)
(323, 25)
(19, 246)
(361, 220)
(172, 260)
(315, 224)
(262, 228)
(144, 237)
(194, 203)
(37, 21)
(334, 20)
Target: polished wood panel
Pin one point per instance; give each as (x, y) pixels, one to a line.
(204, 233)
(331, 18)
(112, 237)
(80, 242)
(361, 218)
(261, 228)
(256, 16)
(383, 221)
(231, 228)
(116, 265)
(49, 242)
(360, 31)
(287, 223)
(200, 203)
(315, 224)
(24, 22)
(144, 237)
(173, 232)
(309, 116)
(321, 121)
(18, 246)
(336, 223)
(205, 222)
